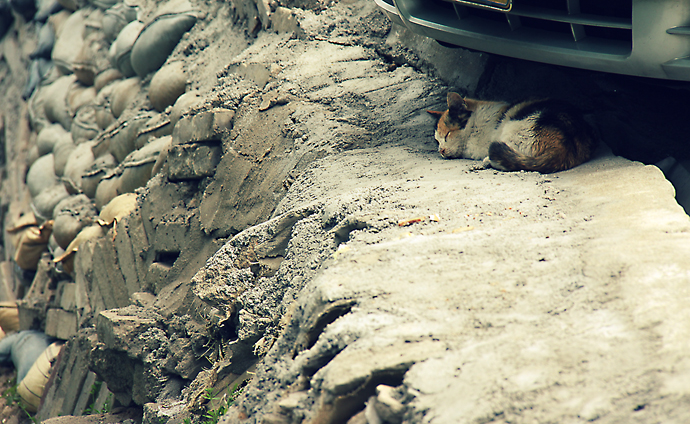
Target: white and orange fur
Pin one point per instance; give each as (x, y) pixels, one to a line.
(538, 135)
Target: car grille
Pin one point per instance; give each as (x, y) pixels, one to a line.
(597, 26)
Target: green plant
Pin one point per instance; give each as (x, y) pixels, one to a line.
(213, 415)
(107, 405)
(12, 397)
(93, 395)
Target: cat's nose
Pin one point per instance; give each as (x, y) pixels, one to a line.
(442, 151)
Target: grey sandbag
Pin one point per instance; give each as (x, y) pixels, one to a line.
(44, 204)
(108, 188)
(167, 84)
(62, 151)
(92, 59)
(116, 18)
(79, 160)
(45, 9)
(70, 216)
(121, 48)
(95, 172)
(122, 140)
(84, 125)
(23, 349)
(48, 137)
(69, 41)
(157, 40)
(46, 39)
(41, 175)
(138, 165)
(55, 103)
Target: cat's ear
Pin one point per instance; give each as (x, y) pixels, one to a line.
(435, 113)
(471, 104)
(455, 101)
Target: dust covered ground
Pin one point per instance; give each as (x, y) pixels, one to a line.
(519, 298)
(510, 297)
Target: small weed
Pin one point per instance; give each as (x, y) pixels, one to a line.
(93, 395)
(12, 397)
(212, 416)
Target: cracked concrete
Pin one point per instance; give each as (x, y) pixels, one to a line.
(532, 298)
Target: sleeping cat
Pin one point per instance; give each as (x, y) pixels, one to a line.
(540, 135)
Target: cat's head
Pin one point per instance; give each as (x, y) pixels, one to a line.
(450, 122)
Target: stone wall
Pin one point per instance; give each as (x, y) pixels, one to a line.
(196, 141)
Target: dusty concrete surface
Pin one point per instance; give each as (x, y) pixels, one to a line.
(297, 251)
(532, 298)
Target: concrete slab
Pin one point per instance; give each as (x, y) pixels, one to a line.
(8, 283)
(61, 323)
(66, 295)
(67, 382)
(516, 297)
(86, 395)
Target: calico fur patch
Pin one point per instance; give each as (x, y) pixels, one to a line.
(544, 135)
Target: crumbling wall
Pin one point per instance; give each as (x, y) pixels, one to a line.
(251, 95)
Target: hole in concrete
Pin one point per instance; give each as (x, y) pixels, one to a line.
(341, 232)
(167, 258)
(328, 317)
(317, 323)
(318, 361)
(347, 406)
(228, 330)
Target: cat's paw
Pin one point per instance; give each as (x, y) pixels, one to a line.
(480, 166)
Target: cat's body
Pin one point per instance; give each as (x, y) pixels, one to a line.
(540, 135)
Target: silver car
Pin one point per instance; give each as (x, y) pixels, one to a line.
(635, 37)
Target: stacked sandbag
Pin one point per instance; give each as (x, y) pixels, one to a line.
(19, 226)
(69, 41)
(157, 40)
(32, 386)
(66, 259)
(167, 85)
(32, 244)
(22, 349)
(79, 160)
(117, 208)
(33, 354)
(44, 187)
(101, 121)
(71, 216)
(9, 317)
(90, 46)
(49, 137)
(116, 17)
(93, 175)
(133, 172)
(121, 49)
(138, 166)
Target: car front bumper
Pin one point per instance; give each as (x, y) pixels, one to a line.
(640, 37)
